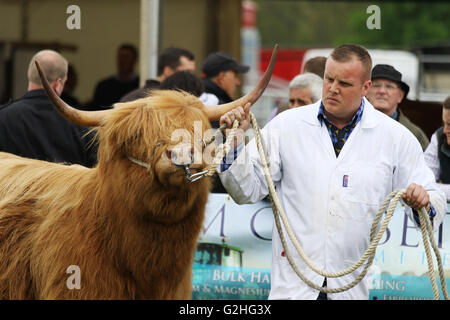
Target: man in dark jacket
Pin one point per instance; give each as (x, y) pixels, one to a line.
(31, 127)
(220, 77)
(109, 91)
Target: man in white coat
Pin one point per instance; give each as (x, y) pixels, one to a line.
(333, 164)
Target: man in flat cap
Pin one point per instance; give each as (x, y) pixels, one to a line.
(386, 92)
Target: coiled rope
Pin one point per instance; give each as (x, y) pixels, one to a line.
(369, 255)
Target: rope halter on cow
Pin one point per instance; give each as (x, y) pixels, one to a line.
(179, 163)
(391, 201)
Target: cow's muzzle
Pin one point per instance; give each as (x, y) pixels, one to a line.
(184, 161)
(189, 175)
(182, 157)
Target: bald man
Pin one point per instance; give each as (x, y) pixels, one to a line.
(31, 127)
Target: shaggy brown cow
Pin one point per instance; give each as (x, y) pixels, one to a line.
(130, 231)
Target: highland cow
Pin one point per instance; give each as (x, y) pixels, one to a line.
(130, 224)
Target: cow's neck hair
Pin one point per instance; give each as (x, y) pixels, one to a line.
(157, 213)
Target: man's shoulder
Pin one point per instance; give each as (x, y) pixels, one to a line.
(400, 134)
(107, 81)
(297, 116)
(380, 119)
(384, 126)
(14, 107)
(6, 105)
(30, 111)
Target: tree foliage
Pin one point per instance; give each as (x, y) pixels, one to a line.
(299, 24)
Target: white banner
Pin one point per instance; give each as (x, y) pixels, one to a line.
(233, 257)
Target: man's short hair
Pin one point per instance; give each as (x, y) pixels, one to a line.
(183, 80)
(308, 80)
(446, 103)
(52, 63)
(315, 65)
(170, 57)
(347, 52)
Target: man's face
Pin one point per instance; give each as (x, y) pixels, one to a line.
(125, 61)
(385, 95)
(186, 65)
(446, 121)
(299, 97)
(228, 81)
(343, 89)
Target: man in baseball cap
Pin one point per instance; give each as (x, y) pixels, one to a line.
(220, 75)
(385, 94)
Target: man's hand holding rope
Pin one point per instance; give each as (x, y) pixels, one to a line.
(416, 197)
(241, 114)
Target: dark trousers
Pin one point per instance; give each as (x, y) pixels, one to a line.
(323, 295)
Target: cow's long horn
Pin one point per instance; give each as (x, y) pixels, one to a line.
(79, 117)
(215, 112)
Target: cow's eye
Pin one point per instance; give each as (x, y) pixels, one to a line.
(159, 144)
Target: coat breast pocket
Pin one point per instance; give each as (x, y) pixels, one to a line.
(364, 188)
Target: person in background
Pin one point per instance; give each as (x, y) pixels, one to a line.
(315, 65)
(220, 73)
(437, 154)
(304, 89)
(387, 91)
(183, 80)
(110, 90)
(170, 60)
(220, 76)
(31, 127)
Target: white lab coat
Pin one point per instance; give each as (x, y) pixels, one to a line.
(331, 221)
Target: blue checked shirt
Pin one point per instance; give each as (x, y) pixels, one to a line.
(339, 136)
(227, 163)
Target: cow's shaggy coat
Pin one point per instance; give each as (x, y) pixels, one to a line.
(131, 231)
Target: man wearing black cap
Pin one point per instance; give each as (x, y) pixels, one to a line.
(220, 76)
(387, 91)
